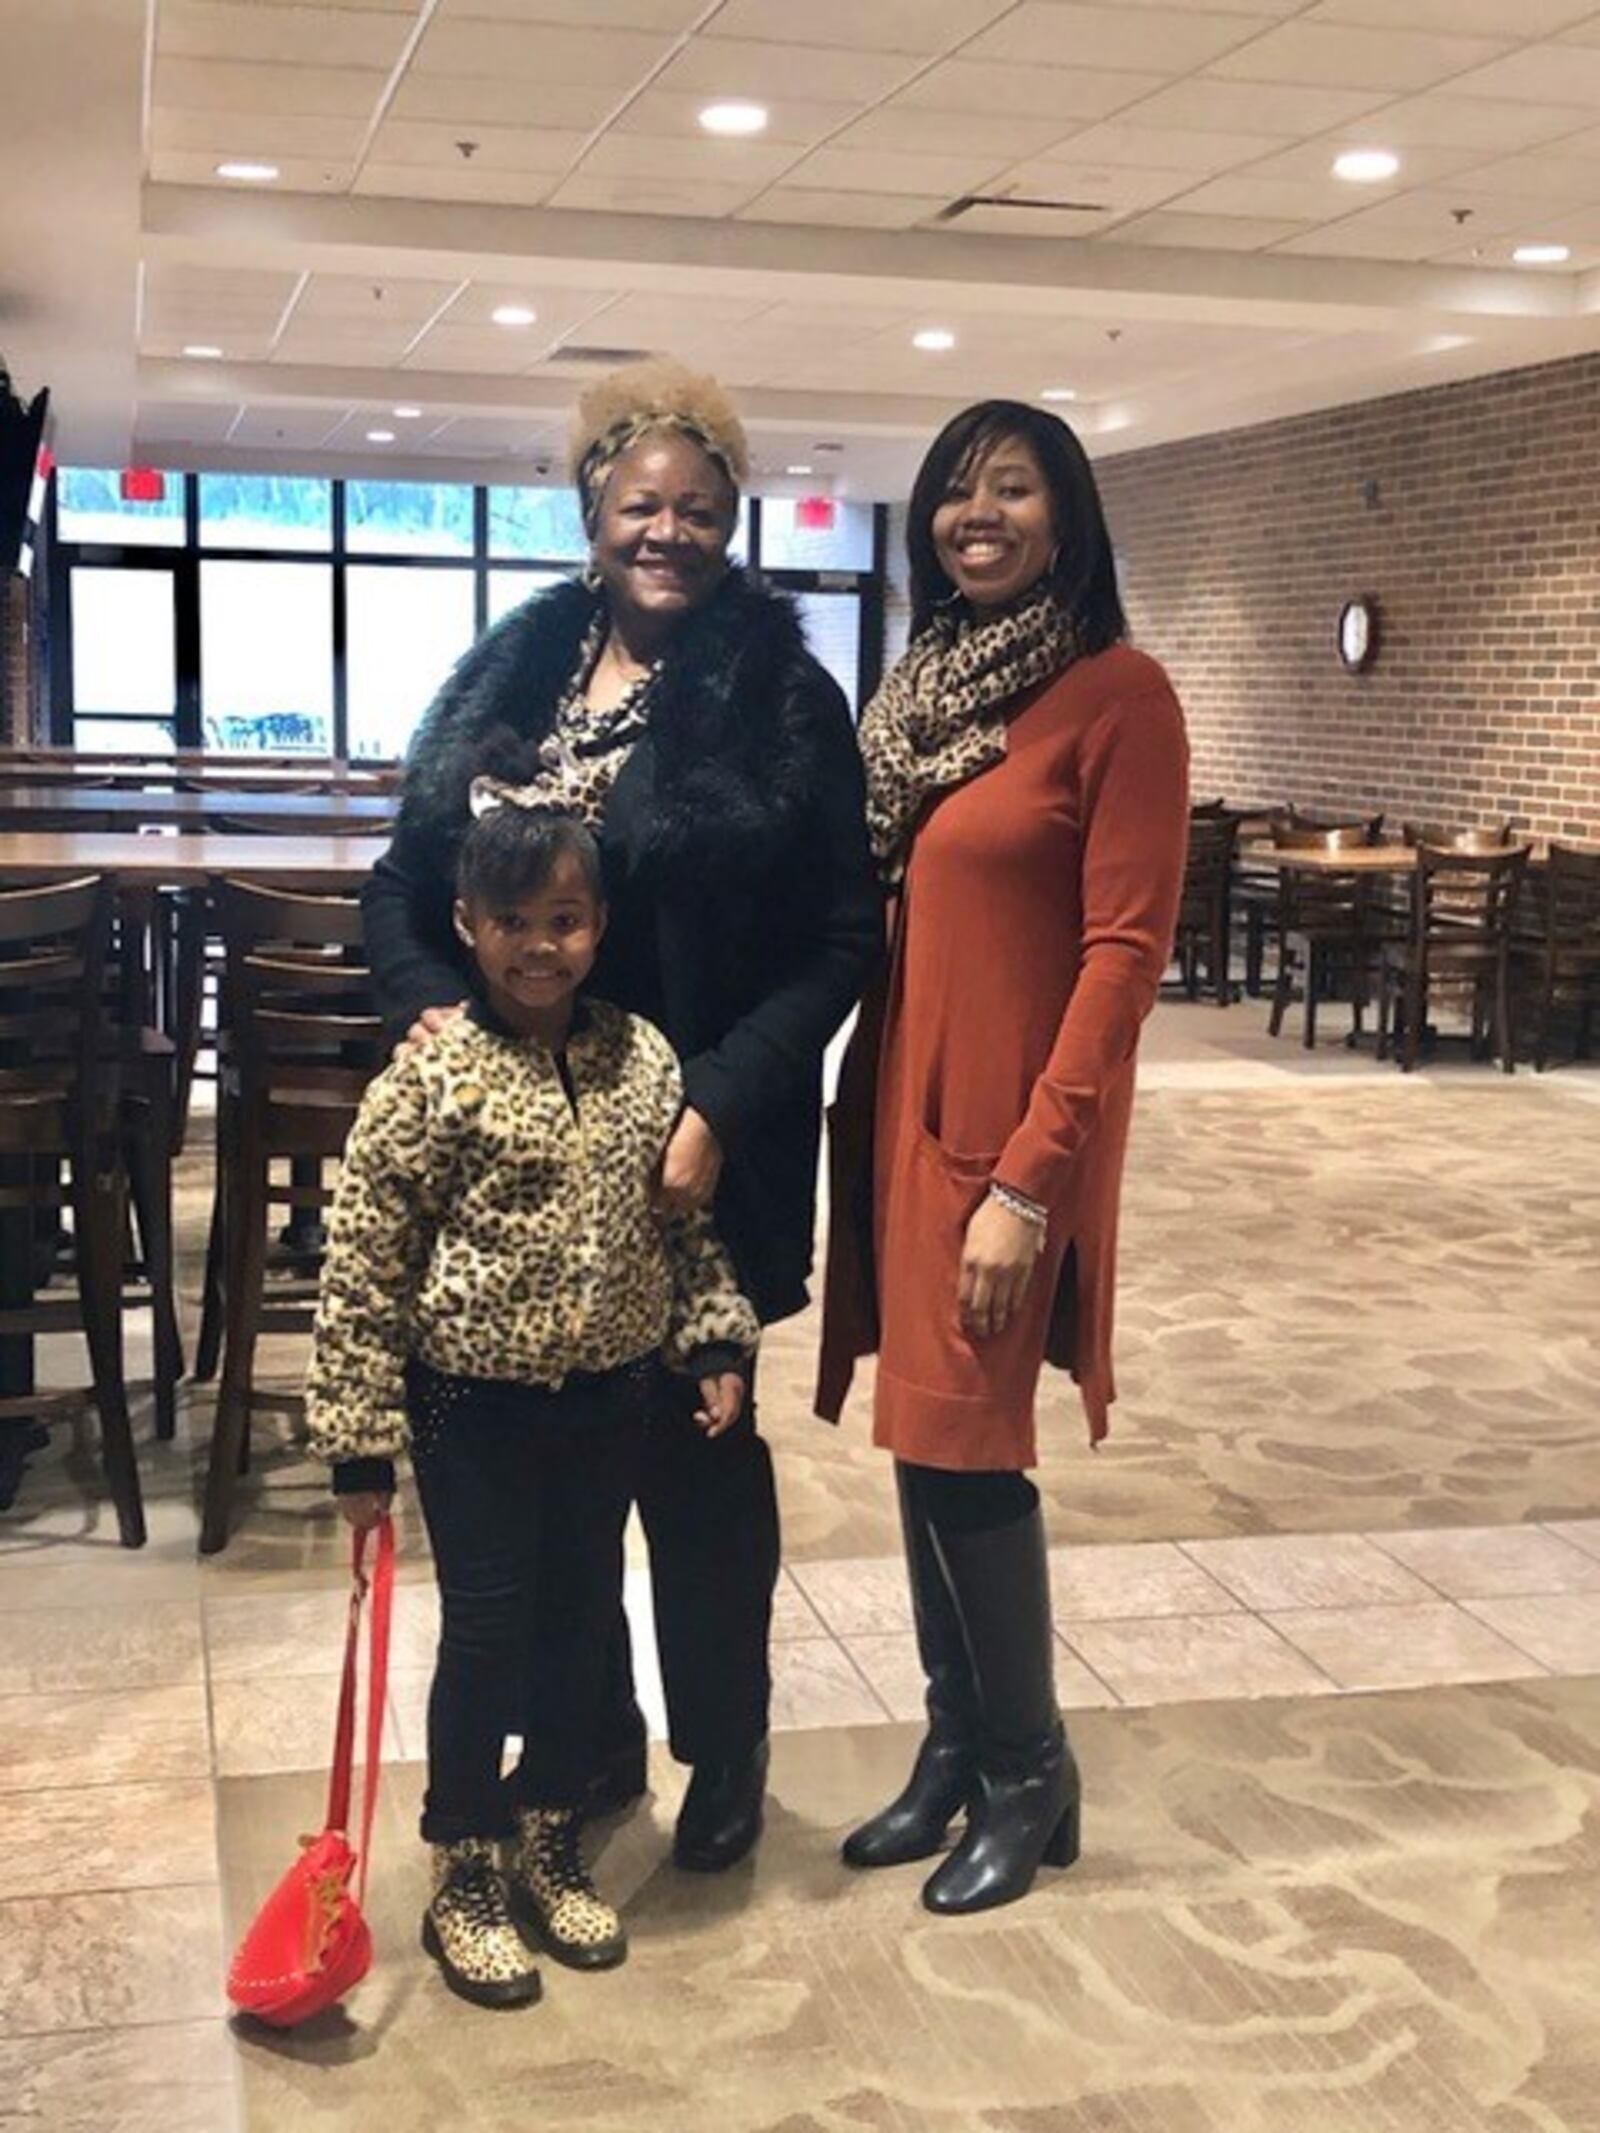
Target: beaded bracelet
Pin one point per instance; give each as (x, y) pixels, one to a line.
(1018, 1203)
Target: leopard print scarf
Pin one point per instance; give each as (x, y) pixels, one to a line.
(939, 717)
(582, 755)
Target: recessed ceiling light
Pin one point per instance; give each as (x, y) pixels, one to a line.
(248, 173)
(1542, 255)
(406, 414)
(734, 118)
(935, 339)
(202, 351)
(1365, 166)
(380, 436)
(1058, 392)
(513, 315)
(797, 470)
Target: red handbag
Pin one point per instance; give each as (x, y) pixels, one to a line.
(309, 1944)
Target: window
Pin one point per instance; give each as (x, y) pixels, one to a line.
(265, 511)
(407, 629)
(89, 507)
(407, 518)
(266, 655)
(124, 657)
(832, 624)
(542, 523)
(509, 588)
(844, 544)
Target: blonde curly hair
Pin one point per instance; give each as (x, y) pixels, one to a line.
(644, 397)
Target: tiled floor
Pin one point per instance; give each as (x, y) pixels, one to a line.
(1356, 1452)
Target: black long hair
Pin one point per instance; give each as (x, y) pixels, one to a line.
(1083, 576)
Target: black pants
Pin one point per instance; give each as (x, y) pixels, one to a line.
(710, 1512)
(525, 1493)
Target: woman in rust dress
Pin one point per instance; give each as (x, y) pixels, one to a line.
(1027, 781)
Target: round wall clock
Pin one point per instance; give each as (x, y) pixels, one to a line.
(1358, 633)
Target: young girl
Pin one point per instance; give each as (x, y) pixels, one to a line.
(500, 1285)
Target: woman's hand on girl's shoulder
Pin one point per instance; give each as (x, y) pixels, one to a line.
(428, 1025)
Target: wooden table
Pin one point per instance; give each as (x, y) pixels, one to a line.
(194, 810)
(1359, 859)
(332, 864)
(240, 774)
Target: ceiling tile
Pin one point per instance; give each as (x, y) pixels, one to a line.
(172, 167)
(922, 27)
(469, 100)
(1543, 174)
(299, 92)
(1277, 199)
(960, 85)
(859, 171)
(301, 36)
(428, 141)
(225, 134)
(667, 16)
(1513, 20)
(469, 349)
(851, 211)
(1117, 188)
(363, 299)
(1558, 73)
(900, 128)
(1326, 53)
(1312, 162)
(559, 310)
(535, 52)
(303, 428)
(1167, 40)
(738, 66)
(1586, 32)
(625, 196)
(349, 345)
(750, 164)
(472, 181)
(1032, 222)
(1168, 147)
(1441, 119)
(1211, 233)
(183, 421)
(1208, 105)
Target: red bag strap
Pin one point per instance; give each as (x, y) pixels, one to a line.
(344, 1736)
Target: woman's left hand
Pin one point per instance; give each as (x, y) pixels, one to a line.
(690, 1168)
(997, 1261)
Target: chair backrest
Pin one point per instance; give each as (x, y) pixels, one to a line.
(1209, 857)
(304, 1036)
(305, 825)
(1369, 826)
(1466, 899)
(1462, 840)
(1571, 899)
(1199, 809)
(53, 1075)
(1329, 902)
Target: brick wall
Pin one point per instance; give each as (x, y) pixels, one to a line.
(17, 668)
(1471, 513)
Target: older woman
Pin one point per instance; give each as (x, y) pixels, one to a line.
(1027, 787)
(672, 703)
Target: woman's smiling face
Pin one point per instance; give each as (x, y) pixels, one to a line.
(994, 532)
(660, 542)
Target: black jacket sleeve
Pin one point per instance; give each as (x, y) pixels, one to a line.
(406, 908)
(770, 1056)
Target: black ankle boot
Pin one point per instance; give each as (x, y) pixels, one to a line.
(720, 1819)
(943, 1778)
(1025, 1812)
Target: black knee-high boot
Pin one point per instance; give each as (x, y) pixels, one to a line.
(1024, 1810)
(913, 1826)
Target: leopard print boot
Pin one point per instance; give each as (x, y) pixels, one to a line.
(553, 1895)
(469, 1932)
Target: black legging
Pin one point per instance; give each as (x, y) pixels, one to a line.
(968, 1502)
(525, 1493)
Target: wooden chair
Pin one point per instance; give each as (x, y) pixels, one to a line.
(1461, 920)
(60, 1104)
(1322, 924)
(1555, 945)
(301, 1038)
(1255, 896)
(1203, 913)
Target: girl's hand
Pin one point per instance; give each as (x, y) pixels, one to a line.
(366, 1508)
(723, 1396)
(429, 1023)
(997, 1261)
(690, 1168)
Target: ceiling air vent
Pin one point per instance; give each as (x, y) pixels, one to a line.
(993, 211)
(598, 358)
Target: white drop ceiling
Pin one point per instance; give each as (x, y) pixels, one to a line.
(1157, 225)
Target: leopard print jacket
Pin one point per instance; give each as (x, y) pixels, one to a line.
(494, 1228)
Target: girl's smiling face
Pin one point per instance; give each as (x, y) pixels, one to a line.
(994, 532)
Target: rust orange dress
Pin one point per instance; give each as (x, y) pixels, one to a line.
(1036, 921)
